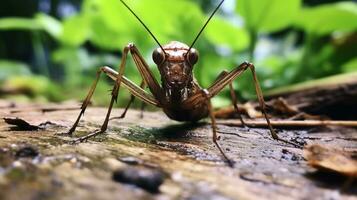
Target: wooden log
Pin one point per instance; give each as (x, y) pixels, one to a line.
(160, 159)
(335, 96)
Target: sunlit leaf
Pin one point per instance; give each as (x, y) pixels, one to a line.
(223, 33)
(113, 26)
(41, 22)
(172, 20)
(220, 101)
(14, 23)
(210, 66)
(107, 21)
(75, 30)
(350, 66)
(50, 25)
(105, 37)
(31, 84)
(329, 18)
(268, 15)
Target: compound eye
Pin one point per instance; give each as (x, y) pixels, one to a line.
(158, 56)
(192, 56)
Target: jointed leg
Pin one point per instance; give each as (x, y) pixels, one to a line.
(235, 103)
(146, 74)
(263, 107)
(119, 78)
(214, 129)
(233, 96)
(86, 102)
(132, 98)
(114, 98)
(142, 108)
(229, 77)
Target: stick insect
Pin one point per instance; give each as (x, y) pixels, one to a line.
(179, 95)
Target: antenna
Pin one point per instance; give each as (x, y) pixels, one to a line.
(143, 25)
(204, 26)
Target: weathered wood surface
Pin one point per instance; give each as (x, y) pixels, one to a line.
(265, 169)
(334, 96)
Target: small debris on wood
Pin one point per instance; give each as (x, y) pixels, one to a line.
(288, 155)
(256, 177)
(130, 160)
(330, 159)
(280, 107)
(145, 178)
(298, 140)
(136, 161)
(26, 152)
(21, 125)
(283, 107)
(47, 124)
(45, 109)
(248, 109)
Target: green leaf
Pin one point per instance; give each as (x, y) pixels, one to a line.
(75, 30)
(113, 26)
(34, 85)
(41, 22)
(210, 65)
(180, 20)
(223, 33)
(13, 68)
(350, 66)
(106, 37)
(108, 23)
(16, 23)
(325, 19)
(51, 25)
(268, 15)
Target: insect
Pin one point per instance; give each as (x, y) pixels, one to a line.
(179, 95)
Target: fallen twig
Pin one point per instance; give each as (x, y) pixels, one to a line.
(45, 109)
(289, 123)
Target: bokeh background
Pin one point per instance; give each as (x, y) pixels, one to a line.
(51, 49)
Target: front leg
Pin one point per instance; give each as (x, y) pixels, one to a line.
(214, 128)
(115, 92)
(146, 73)
(119, 78)
(201, 102)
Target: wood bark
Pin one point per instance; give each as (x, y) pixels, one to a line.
(335, 96)
(42, 164)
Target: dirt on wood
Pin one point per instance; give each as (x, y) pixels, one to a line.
(157, 158)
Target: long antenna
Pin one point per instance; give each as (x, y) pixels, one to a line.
(143, 25)
(204, 26)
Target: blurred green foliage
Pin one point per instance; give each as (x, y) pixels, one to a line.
(268, 16)
(288, 41)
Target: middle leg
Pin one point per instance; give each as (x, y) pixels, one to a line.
(132, 98)
(215, 137)
(233, 96)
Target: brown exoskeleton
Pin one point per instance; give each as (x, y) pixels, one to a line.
(179, 94)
